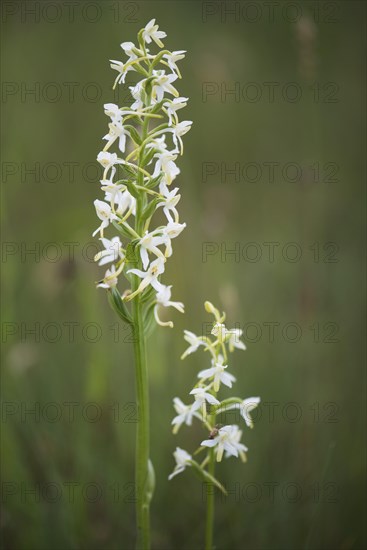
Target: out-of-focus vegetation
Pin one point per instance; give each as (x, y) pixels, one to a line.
(302, 485)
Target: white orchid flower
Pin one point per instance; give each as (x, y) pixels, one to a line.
(137, 93)
(202, 396)
(182, 460)
(185, 414)
(131, 50)
(122, 70)
(149, 243)
(180, 130)
(151, 32)
(111, 253)
(113, 191)
(217, 372)
(116, 132)
(163, 84)
(166, 163)
(173, 105)
(194, 343)
(228, 440)
(107, 160)
(113, 111)
(163, 298)
(104, 212)
(172, 59)
(233, 338)
(158, 143)
(171, 231)
(125, 201)
(169, 204)
(149, 277)
(110, 279)
(245, 408)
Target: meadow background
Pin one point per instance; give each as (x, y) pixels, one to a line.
(68, 412)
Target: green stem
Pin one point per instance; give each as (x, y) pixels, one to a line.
(210, 505)
(142, 391)
(142, 433)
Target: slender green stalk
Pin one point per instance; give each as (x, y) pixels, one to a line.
(210, 505)
(142, 394)
(142, 433)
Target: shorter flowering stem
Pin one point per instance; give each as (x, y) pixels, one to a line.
(222, 441)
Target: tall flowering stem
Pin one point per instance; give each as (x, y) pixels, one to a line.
(222, 440)
(137, 190)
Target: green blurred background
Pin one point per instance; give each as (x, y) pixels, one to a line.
(303, 483)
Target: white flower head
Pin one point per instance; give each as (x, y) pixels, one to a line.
(169, 204)
(110, 188)
(131, 50)
(183, 459)
(147, 163)
(149, 277)
(202, 396)
(233, 338)
(163, 298)
(166, 164)
(173, 105)
(159, 144)
(125, 202)
(107, 160)
(151, 32)
(149, 243)
(111, 253)
(122, 70)
(185, 414)
(116, 132)
(113, 111)
(171, 231)
(180, 130)
(217, 372)
(104, 212)
(110, 279)
(163, 84)
(228, 440)
(137, 92)
(172, 58)
(246, 407)
(194, 343)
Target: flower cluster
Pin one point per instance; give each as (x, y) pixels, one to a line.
(222, 440)
(137, 183)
